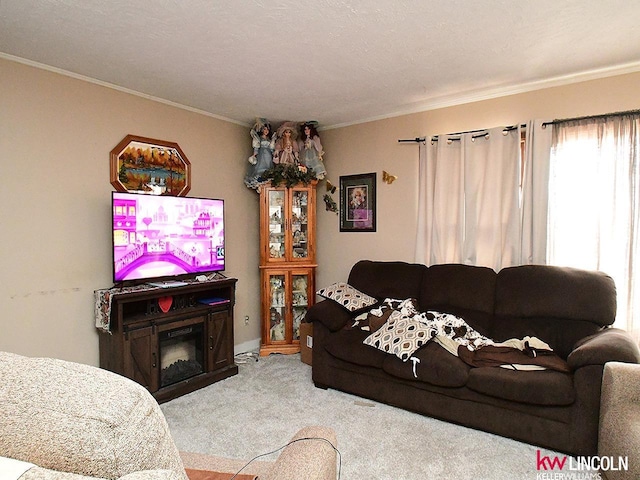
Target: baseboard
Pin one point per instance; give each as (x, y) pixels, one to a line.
(250, 346)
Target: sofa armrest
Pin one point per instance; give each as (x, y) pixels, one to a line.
(311, 454)
(620, 387)
(608, 345)
(619, 430)
(330, 314)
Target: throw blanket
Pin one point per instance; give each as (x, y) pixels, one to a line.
(460, 339)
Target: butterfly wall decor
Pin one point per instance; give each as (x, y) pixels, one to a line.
(388, 178)
(331, 187)
(330, 203)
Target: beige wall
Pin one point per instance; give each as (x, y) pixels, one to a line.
(55, 136)
(374, 147)
(56, 133)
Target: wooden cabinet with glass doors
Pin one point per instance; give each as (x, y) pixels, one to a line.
(287, 263)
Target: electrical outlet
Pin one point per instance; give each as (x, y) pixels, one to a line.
(246, 319)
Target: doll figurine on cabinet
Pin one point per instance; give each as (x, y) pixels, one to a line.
(263, 148)
(277, 325)
(286, 146)
(300, 284)
(311, 149)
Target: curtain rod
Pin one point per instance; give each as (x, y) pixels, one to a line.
(505, 129)
(435, 138)
(591, 117)
(513, 127)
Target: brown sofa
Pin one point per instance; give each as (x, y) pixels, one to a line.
(569, 309)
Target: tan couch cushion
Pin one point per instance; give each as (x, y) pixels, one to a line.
(80, 419)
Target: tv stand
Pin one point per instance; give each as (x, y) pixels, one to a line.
(172, 340)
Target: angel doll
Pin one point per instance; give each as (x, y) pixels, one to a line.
(286, 146)
(311, 149)
(263, 148)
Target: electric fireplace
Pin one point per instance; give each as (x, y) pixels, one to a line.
(181, 354)
(171, 340)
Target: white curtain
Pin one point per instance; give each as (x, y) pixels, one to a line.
(535, 187)
(469, 199)
(594, 204)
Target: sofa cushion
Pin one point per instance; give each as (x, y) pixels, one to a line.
(559, 305)
(346, 296)
(401, 335)
(387, 279)
(557, 292)
(545, 387)
(462, 290)
(347, 345)
(434, 365)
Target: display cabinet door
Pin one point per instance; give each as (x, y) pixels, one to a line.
(298, 231)
(277, 312)
(301, 298)
(277, 215)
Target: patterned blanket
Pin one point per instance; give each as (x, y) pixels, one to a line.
(400, 329)
(476, 350)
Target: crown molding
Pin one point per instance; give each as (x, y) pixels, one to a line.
(416, 107)
(112, 86)
(492, 93)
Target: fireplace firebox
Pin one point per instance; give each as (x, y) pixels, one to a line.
(181, 354)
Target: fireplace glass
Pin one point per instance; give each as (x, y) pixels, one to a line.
(181, 354)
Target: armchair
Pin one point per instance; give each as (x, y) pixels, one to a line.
(619, 434)
(78, 422)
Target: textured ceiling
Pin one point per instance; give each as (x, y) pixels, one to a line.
(335, 61)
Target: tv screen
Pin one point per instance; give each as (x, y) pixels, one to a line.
(157, 236)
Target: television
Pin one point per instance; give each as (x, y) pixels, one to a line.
(158, 237)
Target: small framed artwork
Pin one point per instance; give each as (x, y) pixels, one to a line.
(145, 165)
(358, 203)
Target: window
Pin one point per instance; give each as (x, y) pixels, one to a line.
(594, 204)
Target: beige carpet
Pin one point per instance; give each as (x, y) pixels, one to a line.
(260, 409)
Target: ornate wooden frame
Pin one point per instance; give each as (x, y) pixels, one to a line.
(146, 165)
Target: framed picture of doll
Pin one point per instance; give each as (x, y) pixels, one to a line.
(358, 203)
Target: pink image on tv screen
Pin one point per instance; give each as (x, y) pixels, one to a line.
(158, 236)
